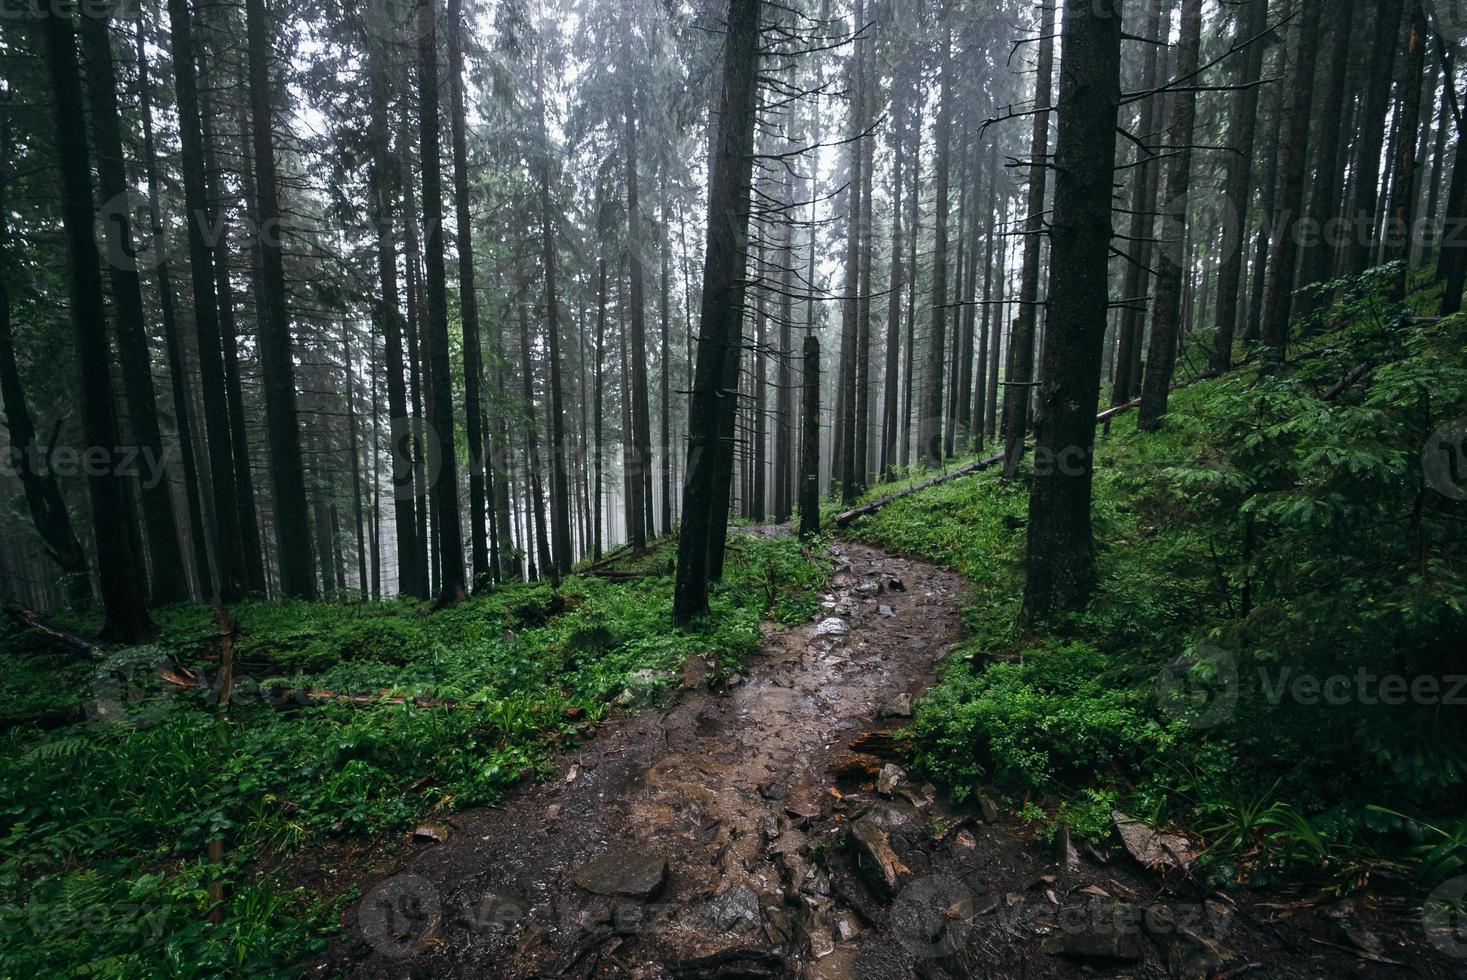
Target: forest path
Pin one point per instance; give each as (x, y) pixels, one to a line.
(738, 834)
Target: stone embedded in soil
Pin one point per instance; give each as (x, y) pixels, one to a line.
(891, 775)
(624, 874)
(898, 707)
(886, 611)
(1102, 944)
(883, 870)
(694, 671)
(1153, 849)
(988, 806)
(496, 912)
(736, 910)
(436, 832)
(832, 626)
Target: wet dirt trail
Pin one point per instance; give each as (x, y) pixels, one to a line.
(763, 830)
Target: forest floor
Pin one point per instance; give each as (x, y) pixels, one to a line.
(762, 828)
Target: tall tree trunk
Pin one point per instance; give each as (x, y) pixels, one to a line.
(277, 367)
(1318, 254)
(870, 83)
(810, 448)
(119, 567)
(664, 248)
(1166, 324)
(846, 414)
(181, 413)
(901, 104)
(447, 533)
(997, 335)
(1278, 300)
(915, 199)
(244, 479)
(1406, 165)
(758, 485)
(468, 301)
(1238, 182)
(1263, 241)
(929, 427)
(229, 541)
(354, 449)
(42, 493)
(639, 505)
(559, 481)
(534, 488)
(989, 323)
(1376, 102)
(416, 332)
(390, 323)
(969, 311)
(710, 452)
(600, 388)
(1061, 558)
(1017, 395)
(169, 581)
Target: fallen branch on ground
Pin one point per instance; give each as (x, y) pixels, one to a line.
(43, 633)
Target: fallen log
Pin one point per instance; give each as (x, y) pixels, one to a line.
(1344, 384)
(610, 558)
(41, 632)
(845, 520)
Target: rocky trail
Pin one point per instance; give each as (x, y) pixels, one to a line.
(766, 829)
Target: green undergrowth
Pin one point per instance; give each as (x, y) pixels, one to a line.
(1271, 563)
(105, 825)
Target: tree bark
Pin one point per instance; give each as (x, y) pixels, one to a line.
(929, 426)
(229, 541)
(42, 493)
(1278, 300)
(639, 505)
(1166, 323)
(182, 415)
(810, 447)
(119, 568)
(169, 582)
(1400, 228)
(448, 535)
(1376, 103)
(1061, 559)
(1017, 395)
(901, 105)
(277, 367)
(1318, 256)
(468, 302)
(390, 323)
(710, 451)
(1238, 183)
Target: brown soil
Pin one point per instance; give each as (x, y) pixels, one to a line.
(749, 794)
